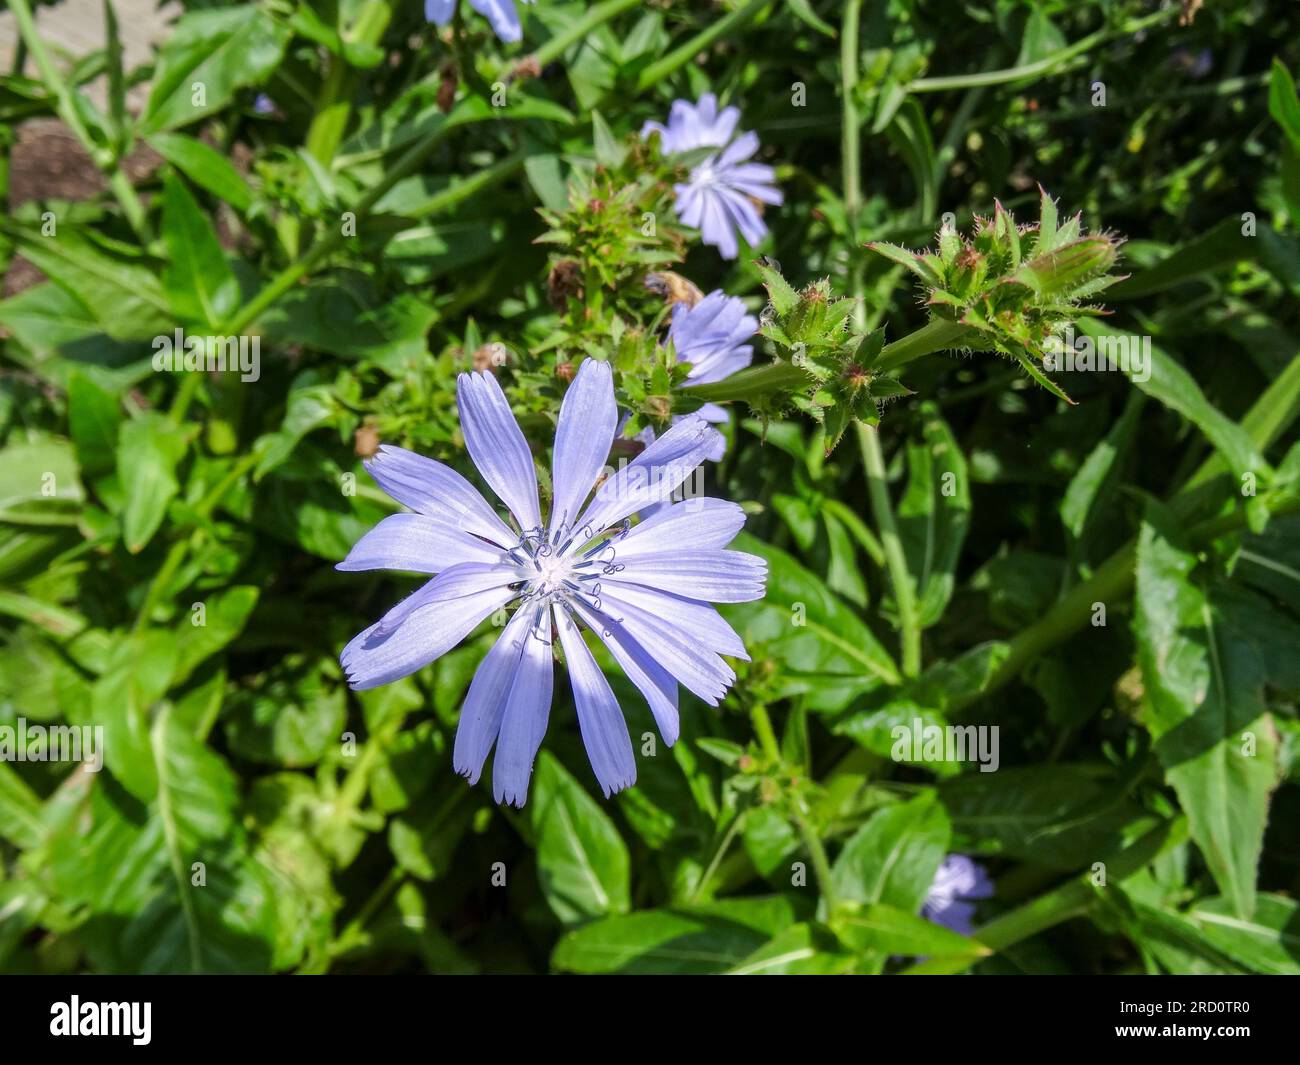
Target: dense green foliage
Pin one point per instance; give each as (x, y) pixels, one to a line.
(1103, 565)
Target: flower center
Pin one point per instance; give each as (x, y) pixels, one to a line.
(705, 174)
(547, 572)
(553, 570)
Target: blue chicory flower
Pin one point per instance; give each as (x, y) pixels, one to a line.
(958, 881)
(718, 198)
(502, 14)
(645, 590)
(711, 337)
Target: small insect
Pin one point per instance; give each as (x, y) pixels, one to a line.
(674, 288)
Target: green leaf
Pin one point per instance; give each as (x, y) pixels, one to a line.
(1094, 482)
(1173, 386)
(167, 888)
(206, 167)
(223, 618)
(137, 674)
(609, 151)
(769, 838)
(711, 938)
(914, 261)
(888, 930)
(20, 810)
(800, 950)
(39, 476)
(1041, 40)
(116, 80)
(1030, 367)
(121, 292)
(934, 513)
(821, 641)
(290, 719)
(1268, 942)
(582, 862)
(1060, 816)
(94, 416)
(199, 281)
(148, 451)
(1214, 250)
(1204, 709)
(208, 56)
(892, 858)
(1283, 103)
(783, 297)
(346, 317)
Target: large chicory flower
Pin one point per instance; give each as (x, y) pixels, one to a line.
(720, 195)
(644, 590)
(501, 13)
(711, 337)
(958, 881)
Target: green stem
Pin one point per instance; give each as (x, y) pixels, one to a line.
(820, 862)
(1031, 71)
(909, 617)
(153, 595)
(936, 335)
(751, 383)
(851, 146)
(126, 195)
(762, 723)
(471, 186)
(354, 935)
(595, 17)
(711, 869)
(679, 57)
(334, 105)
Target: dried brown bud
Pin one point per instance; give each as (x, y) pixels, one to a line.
(447, 87)
(564, 280)
(660, 406)
(365, 441)
(528, 67)
(564, 371)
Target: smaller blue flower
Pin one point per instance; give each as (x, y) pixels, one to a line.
(949, 902)
(711, 337)
(503, 15)
(721, 195)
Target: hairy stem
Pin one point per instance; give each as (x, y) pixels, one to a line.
(909, 617)
(851, 146)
